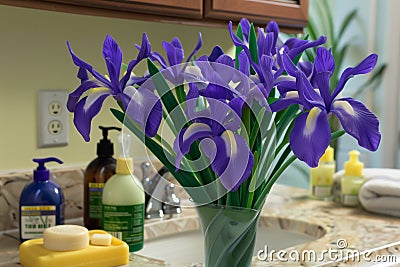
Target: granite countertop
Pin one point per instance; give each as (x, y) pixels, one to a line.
(374, 236)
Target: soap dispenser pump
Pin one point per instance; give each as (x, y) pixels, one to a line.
(96, 175)
(352, 180)
(41, 203)
(123, 201)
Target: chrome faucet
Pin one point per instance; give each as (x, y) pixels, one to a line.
(160, 194)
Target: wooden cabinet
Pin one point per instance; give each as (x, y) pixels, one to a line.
(175, 8)
(291, 15)
(288, 13)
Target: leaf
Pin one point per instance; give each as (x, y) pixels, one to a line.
(339, 56)
(311, 27)
(331, 31)
(253, 44)
(375, 78)
(324, 22)
(347, 20)
(310, 53)
(238, 49)
(181, 94)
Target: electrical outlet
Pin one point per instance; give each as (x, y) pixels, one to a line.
(55, 127)
(53, 118)
(55, 108)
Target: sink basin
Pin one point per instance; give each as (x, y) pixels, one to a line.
(180, 243)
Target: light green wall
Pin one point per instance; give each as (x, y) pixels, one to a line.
(34, 56)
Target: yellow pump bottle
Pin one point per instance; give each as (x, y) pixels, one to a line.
(352, 180)
(321, 177)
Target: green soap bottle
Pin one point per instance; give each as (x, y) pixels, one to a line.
(123, 201)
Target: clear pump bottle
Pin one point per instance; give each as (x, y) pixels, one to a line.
(97, 174)
(123, 201)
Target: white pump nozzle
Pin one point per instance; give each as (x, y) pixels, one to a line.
(124, 142)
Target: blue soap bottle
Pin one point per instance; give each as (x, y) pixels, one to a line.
(41, 204)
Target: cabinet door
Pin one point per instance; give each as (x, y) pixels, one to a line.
(292, 14)
(174, 8)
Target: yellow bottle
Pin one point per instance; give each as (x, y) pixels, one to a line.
(352, 180)
(321, 177)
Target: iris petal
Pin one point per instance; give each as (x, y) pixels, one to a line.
(215, 53)
(244, 64)
(196, 49)
(358, 121)
(82, 64)
(186, 137)
(310, 136)
(324, 61)
(273, 27)
(96, 93)
(322, 80)
(113, 57)
(245, 24)
(297, 47)
(284, 103)
(309, 97)
(83, 116)
(144, 107)
(364, 67)
(144, 52)
(174, 53)
(73, 97)
(240, 161)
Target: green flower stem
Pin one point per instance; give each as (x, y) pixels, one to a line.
(164, 144)
(169, 123)
(250, 192)
(261, 199)
(244, 133)
(180, 94)
(256, 128)
(228, 199)
(221, 193)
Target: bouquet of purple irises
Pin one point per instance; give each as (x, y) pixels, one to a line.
(237, 122)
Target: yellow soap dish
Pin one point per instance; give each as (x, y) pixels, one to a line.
(33, 254)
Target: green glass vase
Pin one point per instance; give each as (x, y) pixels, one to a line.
(229, 235)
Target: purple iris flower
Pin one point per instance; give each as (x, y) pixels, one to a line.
(268, 63)
(140, 104)
(175, 56)
(311, 133)
(216, 129)
(220, 80)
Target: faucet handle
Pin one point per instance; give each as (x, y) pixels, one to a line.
(172, 201)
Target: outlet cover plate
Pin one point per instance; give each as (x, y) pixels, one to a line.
(53, 114)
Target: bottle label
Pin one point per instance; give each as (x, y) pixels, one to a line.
(95, 194)
(350, 200)
(34, 219)
(322, 191)
(125, 223)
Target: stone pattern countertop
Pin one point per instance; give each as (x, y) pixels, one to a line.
(328, 221)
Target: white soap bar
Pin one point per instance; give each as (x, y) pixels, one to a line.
(101, 239)
(65, 238)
